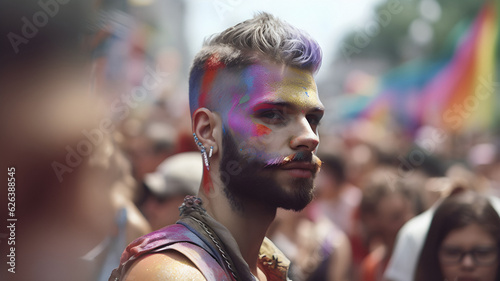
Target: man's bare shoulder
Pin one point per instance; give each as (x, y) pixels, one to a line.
(170, 265)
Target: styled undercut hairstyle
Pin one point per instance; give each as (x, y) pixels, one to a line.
(262, 38)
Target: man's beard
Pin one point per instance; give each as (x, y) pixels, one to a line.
(252, 180)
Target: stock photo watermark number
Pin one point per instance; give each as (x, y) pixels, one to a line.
(11, 220)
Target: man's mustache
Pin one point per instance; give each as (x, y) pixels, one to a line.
(301, 156)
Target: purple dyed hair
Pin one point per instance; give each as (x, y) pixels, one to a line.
(264, 37)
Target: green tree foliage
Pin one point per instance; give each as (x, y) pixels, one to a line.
(393, 41)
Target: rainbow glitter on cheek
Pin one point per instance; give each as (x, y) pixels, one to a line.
(260, 130)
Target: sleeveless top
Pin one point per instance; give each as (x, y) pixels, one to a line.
(176, 237)
(208, 244)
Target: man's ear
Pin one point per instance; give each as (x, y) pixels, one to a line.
(206, 125)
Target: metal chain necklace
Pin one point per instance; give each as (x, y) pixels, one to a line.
(224, 255)
(196, 204)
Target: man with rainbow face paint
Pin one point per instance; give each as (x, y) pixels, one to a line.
(255, 114)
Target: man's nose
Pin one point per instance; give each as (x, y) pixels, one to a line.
(304, 137)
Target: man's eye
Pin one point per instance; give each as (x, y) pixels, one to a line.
(272, 116)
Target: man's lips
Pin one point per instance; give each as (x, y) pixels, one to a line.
(300, 169)
(300, 165)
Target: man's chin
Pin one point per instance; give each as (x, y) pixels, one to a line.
(295, 182)
(300, 194)
(290, 193)
(295, 174)
(271, 187)
(276, 192)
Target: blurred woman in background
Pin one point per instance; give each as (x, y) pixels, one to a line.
(463, 241)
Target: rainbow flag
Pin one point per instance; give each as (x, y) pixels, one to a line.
(462, 95)
(456, 92)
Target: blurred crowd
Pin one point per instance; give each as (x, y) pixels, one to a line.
(100, 161)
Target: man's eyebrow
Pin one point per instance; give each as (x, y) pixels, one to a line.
(271, 104)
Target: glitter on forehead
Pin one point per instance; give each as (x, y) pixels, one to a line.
(305, 91)
(282, 84)
(297, 87)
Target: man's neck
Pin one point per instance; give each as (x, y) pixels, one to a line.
(247, 226)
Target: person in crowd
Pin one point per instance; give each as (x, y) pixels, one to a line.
(412, 235)
(337, 198)
(165, 189)
(484, 160)
(255, 112)
(150, 147)
(463, 241)
(71, 210)
(387, 204)
(317, 248)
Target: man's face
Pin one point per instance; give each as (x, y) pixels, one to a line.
(270, 136)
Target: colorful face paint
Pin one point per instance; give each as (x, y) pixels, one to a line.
(298, 88)
(299, 156)
(271, 133)
(274, 106)
(207, 183)
(212, 66)
(261, 130)
(244, 99)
